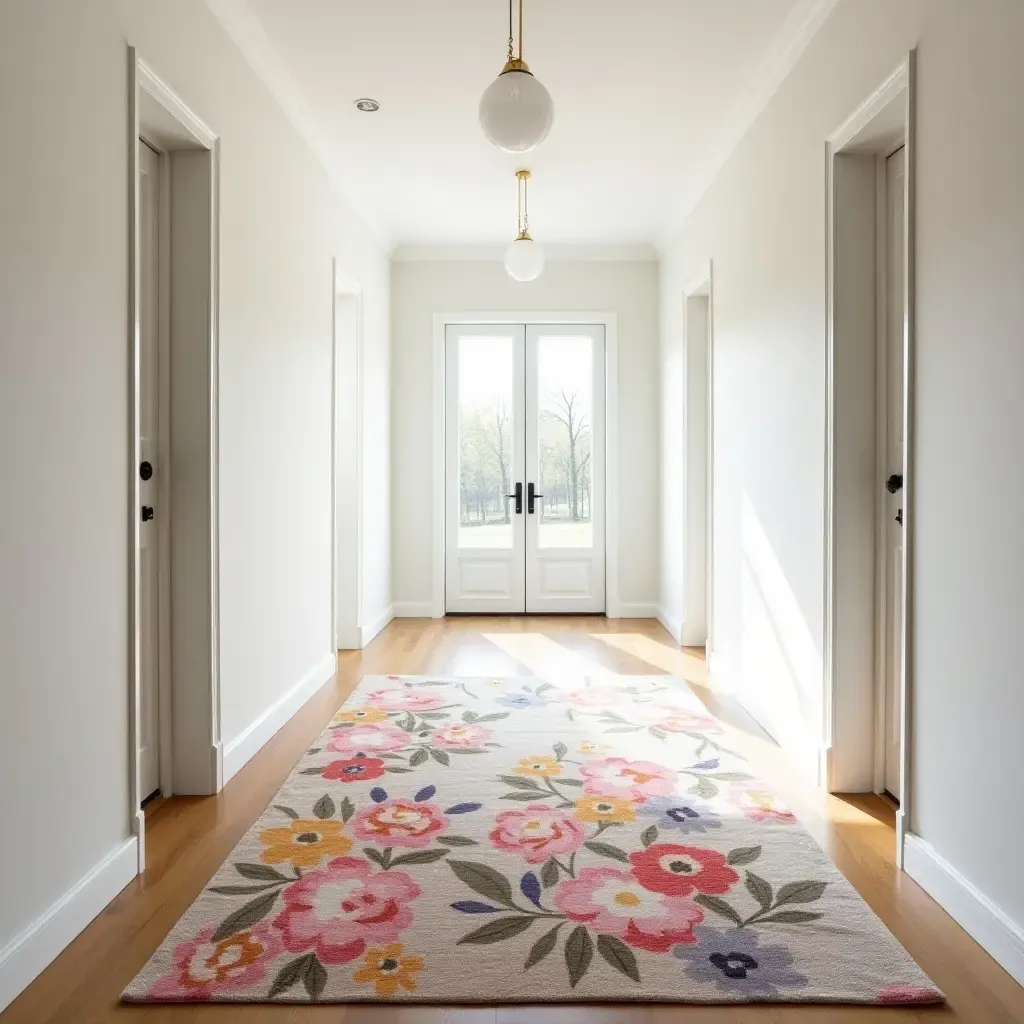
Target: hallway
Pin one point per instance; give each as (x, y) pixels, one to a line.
(187, 838)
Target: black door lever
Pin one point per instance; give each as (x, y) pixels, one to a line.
(531, 494)
(518, 495)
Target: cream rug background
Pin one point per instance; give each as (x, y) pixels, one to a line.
(448, 837)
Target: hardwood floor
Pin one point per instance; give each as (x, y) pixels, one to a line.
(188, 837)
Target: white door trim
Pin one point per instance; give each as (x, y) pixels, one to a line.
(609, 320)
(890, 107)
(154, 107)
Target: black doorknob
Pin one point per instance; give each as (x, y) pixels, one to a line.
(894, 483)
(145, 470)
(147, 513)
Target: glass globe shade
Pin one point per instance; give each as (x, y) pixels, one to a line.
(516, 112)
(524, 260)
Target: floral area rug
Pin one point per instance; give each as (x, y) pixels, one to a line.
(445, 838)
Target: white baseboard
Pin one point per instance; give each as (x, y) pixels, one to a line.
(987, 924)
(414, 609)
(672, 623)
(369, 631)
(238, 751)
(720, 675)
(634, 610)
(25, 957)
(693, 636)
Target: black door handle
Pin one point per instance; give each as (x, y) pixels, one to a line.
(518, 495)
(531, 494)
(147, 513)
(146, 470)
(894, 483)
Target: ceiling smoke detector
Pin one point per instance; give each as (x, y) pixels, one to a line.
(367, 105)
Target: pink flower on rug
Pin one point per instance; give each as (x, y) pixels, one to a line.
(460, 736)
(627, 780)
(679, 870)
(594, 698)
(338, 910)
(202, 968)
(760, 805)
(367, 739)
(676, 719)
(354, 769)
(894, 994)
(538, 832)
(613, 902)
(405, 699)
(399, 823)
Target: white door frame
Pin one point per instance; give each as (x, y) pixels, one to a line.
(851, 628)
(158, 112)
(346, 437)
(698, 462)
(610, 323)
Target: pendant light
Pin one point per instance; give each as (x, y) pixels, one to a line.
(516, 110)
(524, 258)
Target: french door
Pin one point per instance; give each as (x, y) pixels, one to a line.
(524, 468)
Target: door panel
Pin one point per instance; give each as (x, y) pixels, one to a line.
(565, 447)
(484, 458)
(149, 490)
(894, 456)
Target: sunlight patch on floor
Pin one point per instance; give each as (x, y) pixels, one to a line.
(668, 659)
(549, 660)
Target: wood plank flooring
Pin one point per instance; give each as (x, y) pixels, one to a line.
(188, 837)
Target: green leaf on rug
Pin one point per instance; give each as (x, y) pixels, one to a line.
(800, 892)
(481, 878)
(246, 916)
(420, 857)
(619, 955)
(497, 931)
(791, 917)
(432, 714)
(469, 716)
(241, 890)
(649, 835)
(717, 906)
(542, 947)
(759, 889)
(744, 855)
(657, 733)
(607, 850)
(324, 807)
(378, 858)
(533, 794)
(347, 809)
(559, 748)
(440, 756)
(287, 810)
(312, 771)
(494, 716)
(289, 975)
(418, 756)
(703, 788)
(315, 977)
(624, 728)
(549, 873)
(314, 750)
(730, 776)
(467, 750)
(261, 873)
(457, 841)
(569, 782)
(518, 782)
(579, 951)
(398, 771)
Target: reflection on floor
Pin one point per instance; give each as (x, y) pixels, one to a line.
(188, 837)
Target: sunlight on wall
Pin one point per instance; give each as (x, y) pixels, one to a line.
(780, 677)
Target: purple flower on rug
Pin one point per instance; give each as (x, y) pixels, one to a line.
(680, 814)
(737, 963)
(522, 700)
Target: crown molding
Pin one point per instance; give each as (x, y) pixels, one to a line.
(248, 34)
(575, 253)
(799, 28)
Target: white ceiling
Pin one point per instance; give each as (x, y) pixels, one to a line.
(646, 92)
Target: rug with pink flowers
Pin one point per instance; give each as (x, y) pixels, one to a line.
(454, 840)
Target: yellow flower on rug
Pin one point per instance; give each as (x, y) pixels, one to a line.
(360, 715)
(389, 970)
(304, 842)
(541, 766)
(604, 809)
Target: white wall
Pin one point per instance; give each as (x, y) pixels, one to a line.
(421, 289)
(64, 412)
(763, 223)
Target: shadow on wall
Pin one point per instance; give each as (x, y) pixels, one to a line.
(780, 664)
